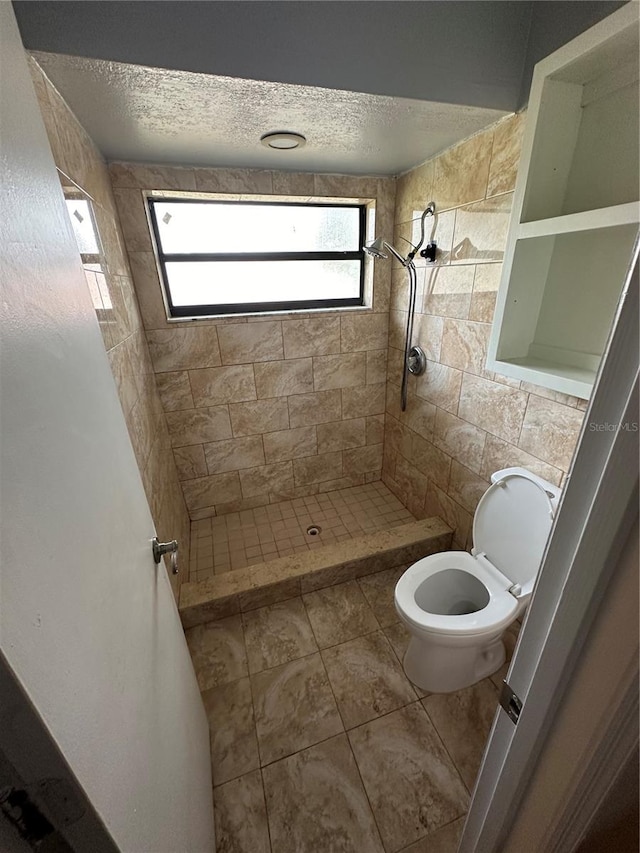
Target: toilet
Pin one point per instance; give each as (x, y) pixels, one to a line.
(457, 605)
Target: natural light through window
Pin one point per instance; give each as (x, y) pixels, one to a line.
(220, 257)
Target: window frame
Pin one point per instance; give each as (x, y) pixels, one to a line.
(183, 312)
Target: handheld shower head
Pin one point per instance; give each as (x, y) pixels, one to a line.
(375, 248)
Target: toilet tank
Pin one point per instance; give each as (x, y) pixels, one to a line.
(554, 492)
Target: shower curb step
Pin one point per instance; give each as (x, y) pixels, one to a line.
(286, 577)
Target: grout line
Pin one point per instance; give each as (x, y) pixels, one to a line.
(266, 809)
(364, 788)
(444, 746)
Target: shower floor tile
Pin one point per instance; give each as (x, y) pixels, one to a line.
(239, 539)
(398, 778)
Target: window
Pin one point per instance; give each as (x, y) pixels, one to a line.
(231, 257)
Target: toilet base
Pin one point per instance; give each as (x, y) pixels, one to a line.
(445, 669)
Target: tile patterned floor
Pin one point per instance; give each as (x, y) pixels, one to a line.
(320, 743)
(241, 539)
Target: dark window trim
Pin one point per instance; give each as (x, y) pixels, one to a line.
(201, 310)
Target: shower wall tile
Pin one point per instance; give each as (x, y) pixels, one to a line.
(461, 173)
(293, 183)
(234, 454)
(449, 291)
(505, 156)
(552, 429)
(233, 180)
(265, 479)
(459, 439)
(464, 345)
(317, 469)
(339, 371)
(197, 426)
(440, 385)
(427, 334)
(175, 391)
(83, 167)
(190, 462)
(150, 177)
(376, 366)
(481, 231)
(317, 408)
(500, 454)
(465, 487)
(362, 460)
(259, 417)
(244, 344)
(499, 408)
(208, 491)
(341, 435)
(412, 190)
(219, 385)
(290, 444)
(282, 378)
(181, 349)
(363, 332)
(462, 421)
(361, 402)
(315, 336)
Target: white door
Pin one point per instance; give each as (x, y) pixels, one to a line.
(88, 623)
(598, 511)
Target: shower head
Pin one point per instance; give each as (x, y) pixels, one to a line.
(375, 248)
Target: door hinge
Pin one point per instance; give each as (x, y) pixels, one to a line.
(510, 702)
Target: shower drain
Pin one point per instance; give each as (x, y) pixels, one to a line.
(314, 530)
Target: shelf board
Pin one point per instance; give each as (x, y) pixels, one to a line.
(577, 381)
(588, 220)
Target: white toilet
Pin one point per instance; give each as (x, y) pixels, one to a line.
(457, 605)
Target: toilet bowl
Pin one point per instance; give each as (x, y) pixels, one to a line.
(457, 605)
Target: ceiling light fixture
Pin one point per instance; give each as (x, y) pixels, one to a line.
(283, 140)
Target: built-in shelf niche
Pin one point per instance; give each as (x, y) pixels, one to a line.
(574, 222)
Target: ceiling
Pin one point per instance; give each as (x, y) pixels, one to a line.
(377, 87)
(137, 113)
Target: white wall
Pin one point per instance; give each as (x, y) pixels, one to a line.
(88, 625)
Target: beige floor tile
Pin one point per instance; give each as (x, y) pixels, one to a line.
(277, 634)
(378, 589)
(218, 652)
(419, 789)
(339, 613)
(366, 679)
(316, 802)
(294, 708)
(443, 840)
(240, 816)
(463, 720)
(232, 730)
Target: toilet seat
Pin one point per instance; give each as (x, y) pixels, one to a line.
(498, 613)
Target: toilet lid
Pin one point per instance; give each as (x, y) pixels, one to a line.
(511, 527)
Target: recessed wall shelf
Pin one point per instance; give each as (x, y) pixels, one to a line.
(574, 223)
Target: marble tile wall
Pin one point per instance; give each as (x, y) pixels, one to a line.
(80, 163)
(462, 421)
(265, 408)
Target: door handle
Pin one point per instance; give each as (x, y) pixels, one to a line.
(161, 548)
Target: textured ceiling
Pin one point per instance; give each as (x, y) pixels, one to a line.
(156, 115)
